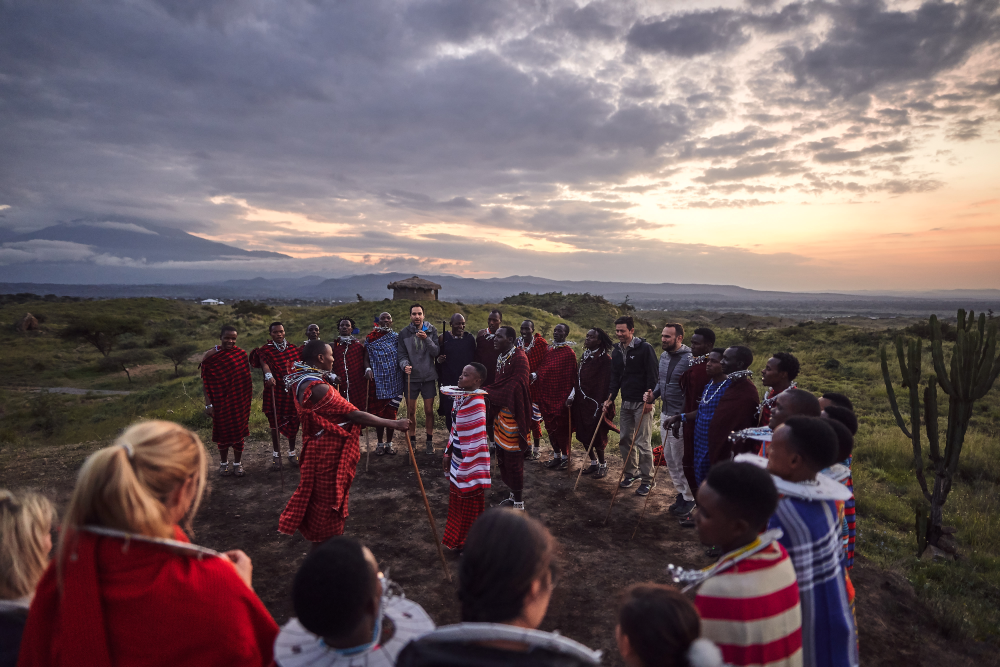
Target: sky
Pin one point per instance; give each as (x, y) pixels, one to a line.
(773, 145)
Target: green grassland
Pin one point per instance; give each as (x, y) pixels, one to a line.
(965, 594)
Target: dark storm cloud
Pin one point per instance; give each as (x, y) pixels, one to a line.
(870, 45)
(693, 34)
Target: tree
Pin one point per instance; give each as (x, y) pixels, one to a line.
(101, 331)
(973, 369)
(125, 360)
(179, 354)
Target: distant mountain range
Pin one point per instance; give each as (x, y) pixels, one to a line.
(141, 242)
(667, 296)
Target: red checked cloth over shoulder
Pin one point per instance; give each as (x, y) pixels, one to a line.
(144, 605)
(328, 461)
(280, 362)
(229, 387)
(556, 379)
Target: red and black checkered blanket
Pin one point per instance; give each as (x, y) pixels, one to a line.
(229, 388)
(556, 379)
(280, 362)
(510, 390)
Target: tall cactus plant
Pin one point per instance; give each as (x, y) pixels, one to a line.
(973, 370)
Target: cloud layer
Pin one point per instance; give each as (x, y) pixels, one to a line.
(468, 135)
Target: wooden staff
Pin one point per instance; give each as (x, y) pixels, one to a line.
(593, 439)
(409, 450)
(277, 435)
(651, 487)
(430, 515)
(368, 429)
(624, 465)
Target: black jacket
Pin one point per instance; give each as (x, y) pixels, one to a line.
(635, 371)
(433, 654)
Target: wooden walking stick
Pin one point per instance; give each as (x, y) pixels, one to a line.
(651, 487)
(624, 465)
(277, 435)
(593, 439)
(368, 429)
(409, 449)
(427, 504)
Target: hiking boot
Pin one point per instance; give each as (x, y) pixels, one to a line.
(644, 489)
(430, 445)
(602, 471)
(563, 464)
(683, 507)
(688, 521)
(553, 463)
(628, 481)
(592, 468)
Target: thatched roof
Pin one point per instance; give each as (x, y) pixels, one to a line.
(413, 283)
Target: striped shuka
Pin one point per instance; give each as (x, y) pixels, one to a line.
(751, 610)
(469, 474)
(812, 538)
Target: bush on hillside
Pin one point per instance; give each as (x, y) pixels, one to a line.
(252, 308)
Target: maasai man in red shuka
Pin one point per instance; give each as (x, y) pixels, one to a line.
(510, 401)
(593, 386)
(555, 382)
(386, 390)
(693, 383)
(126, 586)
(228, 387)
(535, 346)
(350, 365)
(276, 359)
(467, 457)
(330, 450)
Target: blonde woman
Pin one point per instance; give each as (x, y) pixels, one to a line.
(126, 586)
(25, 543)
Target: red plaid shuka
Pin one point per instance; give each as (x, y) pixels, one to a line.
(229, 387)
(462, 513)
(593, 386)
(510, 390)
(556, 379)
(536, 355)
(327, 462)
(280, 364)
(349, 365)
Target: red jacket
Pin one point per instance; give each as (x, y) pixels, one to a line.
(144, 605)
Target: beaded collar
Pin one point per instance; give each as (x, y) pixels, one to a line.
(505, 357)
(771, 400)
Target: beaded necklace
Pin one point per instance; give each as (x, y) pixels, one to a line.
(771, 400)
(692, 578)
(505, 357)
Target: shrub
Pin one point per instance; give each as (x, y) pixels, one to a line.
(162, 338)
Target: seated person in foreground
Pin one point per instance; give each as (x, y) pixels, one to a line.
(749, 600)
(126, 586)
(347, 613)
(506, 578)
(658, 627)
(25, 543)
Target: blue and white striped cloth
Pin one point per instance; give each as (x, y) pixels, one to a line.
(388, 376)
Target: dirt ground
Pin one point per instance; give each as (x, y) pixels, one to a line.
(597, 561)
